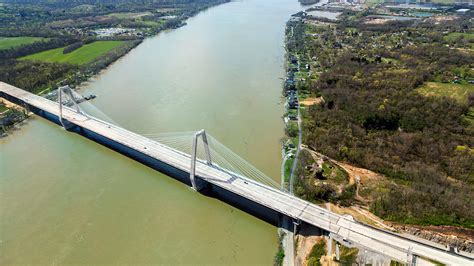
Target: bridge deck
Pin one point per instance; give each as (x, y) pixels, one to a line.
(384, 242)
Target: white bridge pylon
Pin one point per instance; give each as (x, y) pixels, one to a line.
(192, 172)
(212, 152)
(68, 91)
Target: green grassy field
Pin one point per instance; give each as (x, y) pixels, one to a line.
(288, 166)
(83, 55)
(317, 251)
(149, 23)
(9, 42)
(3, 108)
(458, 92)
(455, 35)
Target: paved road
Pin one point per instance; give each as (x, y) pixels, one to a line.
(288, 238)
(298, 150)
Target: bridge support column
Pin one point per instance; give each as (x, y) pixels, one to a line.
(192, 172)
(68, 90)
(60, 101)
(329, 251)
(296, 223)
(73, 99)
(411, 258)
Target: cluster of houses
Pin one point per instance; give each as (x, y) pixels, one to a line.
(104, 33)
(112, 32)
(458, 80)
(290, 86)
(9, 119)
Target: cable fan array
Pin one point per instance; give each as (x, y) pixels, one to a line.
(221, 156)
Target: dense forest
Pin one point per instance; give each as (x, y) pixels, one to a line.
(374, 116)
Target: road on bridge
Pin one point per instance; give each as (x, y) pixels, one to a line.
(387, 243)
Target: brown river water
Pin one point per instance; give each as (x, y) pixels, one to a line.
(67, 200)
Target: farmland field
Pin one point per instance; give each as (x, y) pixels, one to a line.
(455, 35)
(83, 55)
(10, 42)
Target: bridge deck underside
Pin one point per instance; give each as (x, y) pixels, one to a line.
(381, 241)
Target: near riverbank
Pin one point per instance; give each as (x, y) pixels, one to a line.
(357, 83)
(11, 116)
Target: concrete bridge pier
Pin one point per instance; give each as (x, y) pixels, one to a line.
(66, 89)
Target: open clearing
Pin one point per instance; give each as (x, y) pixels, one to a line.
(10, 42)
(128, 15)
(458, 92)
(3, 108)
(83, 55)
(455, 35)
(311, 101)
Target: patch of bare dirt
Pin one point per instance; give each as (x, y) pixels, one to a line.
(360, 214)
(319, 23)
(377, 21)
(462, 238)
(11, 105)
(360, 176)
(363, 174)
(442, 18)
(311, 101)
(306, 239)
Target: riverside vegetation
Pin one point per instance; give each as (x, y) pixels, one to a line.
(398, 99)
(9, 116)
(44, 43)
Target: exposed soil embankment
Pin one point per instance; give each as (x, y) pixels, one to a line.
(461, 238)
(305, 240)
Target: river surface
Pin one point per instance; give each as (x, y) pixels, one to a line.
(67, 200)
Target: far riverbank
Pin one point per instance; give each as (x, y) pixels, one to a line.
(234, 53)
(69, 52)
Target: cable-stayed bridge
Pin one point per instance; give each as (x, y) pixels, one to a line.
(201, 161)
